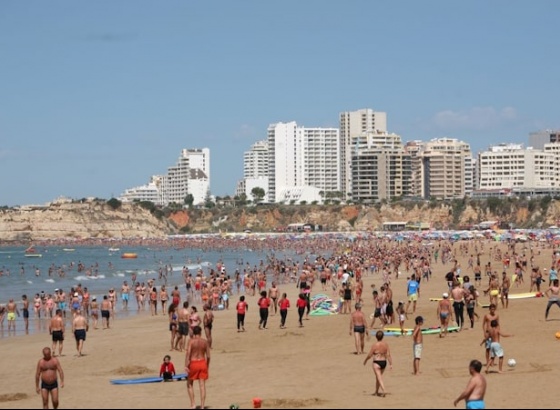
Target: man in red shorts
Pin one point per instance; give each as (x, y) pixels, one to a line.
(197, 362)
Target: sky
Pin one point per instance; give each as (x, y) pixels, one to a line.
(96, 97)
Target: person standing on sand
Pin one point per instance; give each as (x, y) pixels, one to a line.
(56, 330)
(301, 304)
(553, 297)
(197, 363)
(79, 328)
(25, 311)
(273, 295)
(12, 310)
(46, 374)
(417, 340)
(264, 305)
(381, 355)
(358, 326)
(486, 320)
(476, 388)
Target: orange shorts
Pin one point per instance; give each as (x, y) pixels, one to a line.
(198, 370)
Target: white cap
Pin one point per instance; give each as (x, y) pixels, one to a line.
(445, 295)
(76, 294)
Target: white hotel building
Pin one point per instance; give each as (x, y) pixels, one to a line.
(510, 166)
(190, 175)
(302, 162)
(255, 171)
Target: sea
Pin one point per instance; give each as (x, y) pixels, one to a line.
(105, 269)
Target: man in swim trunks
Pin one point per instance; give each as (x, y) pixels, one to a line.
(358, 326)
(79, 328)
(56, 329)
(25, 310)
(476, 388)
(46, 373)
(12, 310)
(197, 362)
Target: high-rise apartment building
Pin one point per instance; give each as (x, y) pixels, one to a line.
(300, 157)
(353, 124)
(441, 168)
(190, 175)
(513, 166)
(381, 169)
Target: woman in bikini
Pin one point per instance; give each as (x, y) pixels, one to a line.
(381, 355)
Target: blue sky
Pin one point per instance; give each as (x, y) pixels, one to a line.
(95, 97)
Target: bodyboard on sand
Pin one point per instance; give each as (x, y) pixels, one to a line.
(408, 332)
(140, 380)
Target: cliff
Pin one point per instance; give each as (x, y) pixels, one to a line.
(97, 219)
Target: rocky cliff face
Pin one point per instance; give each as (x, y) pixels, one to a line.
(99, 220)
(81, 221)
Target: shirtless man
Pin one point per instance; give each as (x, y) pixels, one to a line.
(444, 314)
(489, 317)
(273, 296)
(197, 363)
(358, 326)
(56, 329)
(476, 388)
(46, 373)
(105, 311)
(458, 295)
(25, 310)
(125, 294)
(504, 294)
(493, 289)
(183, 319)
(12, 310)
(381, 355)
(79, 328)
(208, 321)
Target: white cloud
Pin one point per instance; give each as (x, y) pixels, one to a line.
(476, 118)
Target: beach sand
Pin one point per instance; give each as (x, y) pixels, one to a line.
(309, 367)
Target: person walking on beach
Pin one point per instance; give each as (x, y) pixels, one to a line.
(284, 304)
(264, 305)
(358, 326)
(12, 310)
(241, 308)
(79, 328)
(197, 363)
(444, 314)
(417, 340)
(381, 356)
(105, 311)
(553, 297)
(301, 304)
(56, 330)
(476, 388)
(273, 296)
(412, 292)
(125, 294)
(208, 322)
(46, 379)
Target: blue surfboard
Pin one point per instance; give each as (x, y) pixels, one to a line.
(140, 380)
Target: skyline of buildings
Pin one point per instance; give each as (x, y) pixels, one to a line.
(362, 161)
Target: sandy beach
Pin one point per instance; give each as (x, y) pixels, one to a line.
(310, 367)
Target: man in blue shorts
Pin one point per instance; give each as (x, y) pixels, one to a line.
(476, 388)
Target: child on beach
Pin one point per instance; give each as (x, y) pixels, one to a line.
(167, 370)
